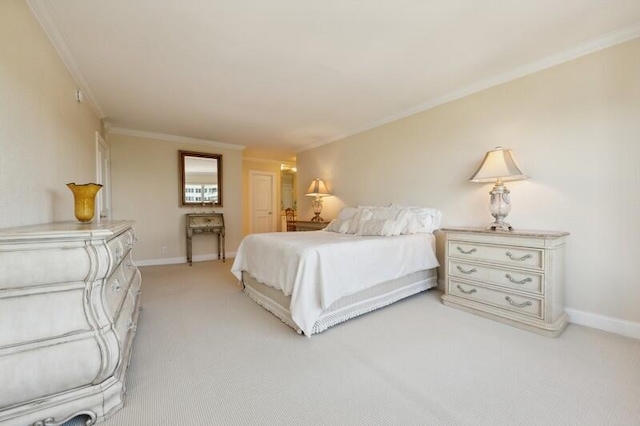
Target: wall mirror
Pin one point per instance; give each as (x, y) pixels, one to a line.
(288, 182)
(200, 179)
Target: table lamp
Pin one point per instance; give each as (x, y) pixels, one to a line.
(317, 189)
(498, 166)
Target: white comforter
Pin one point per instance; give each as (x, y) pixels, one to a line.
(318, 268)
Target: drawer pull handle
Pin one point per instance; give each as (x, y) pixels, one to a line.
(473, 290)
(466, 252)
(518, 305)
(131, 325)
(129, 265)
(118, 253)
(470, 271)
(116, 287)
(519, 259)
(524, 281)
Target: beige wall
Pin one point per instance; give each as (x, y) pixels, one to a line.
(47, 139)
(574, 129)
(145, 186)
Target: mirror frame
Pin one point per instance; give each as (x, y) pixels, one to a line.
(218, 158)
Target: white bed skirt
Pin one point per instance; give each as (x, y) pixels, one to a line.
(274, 301)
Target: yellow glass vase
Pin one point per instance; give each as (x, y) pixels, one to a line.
(84, 200)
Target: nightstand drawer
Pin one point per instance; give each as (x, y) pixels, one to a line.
(526, 281)
(516, 303)
(523, 257)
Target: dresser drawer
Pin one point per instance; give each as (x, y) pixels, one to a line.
(115, 289)
(120, 245)
(210, 221)
(516, 303)
(17, 324)
(128, 267)
(526, 281)
(124, 321)
(507, 255)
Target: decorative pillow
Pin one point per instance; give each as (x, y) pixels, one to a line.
(343, 221)
(377, 227)
(397, 216)
(344, 226)
(360, 217)
(421, 220)
(333, 226)
(347, 213)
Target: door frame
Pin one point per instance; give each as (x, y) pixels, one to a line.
(274, 199)
(106, 182)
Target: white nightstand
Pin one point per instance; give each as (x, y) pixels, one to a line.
(515, 277)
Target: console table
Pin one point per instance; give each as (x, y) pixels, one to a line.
(308, 225)
(203, 223)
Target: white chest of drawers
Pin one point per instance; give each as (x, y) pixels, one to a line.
(515, 277)
(69, 303)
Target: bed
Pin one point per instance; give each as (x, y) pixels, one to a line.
(367, 258)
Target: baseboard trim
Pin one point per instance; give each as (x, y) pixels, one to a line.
(178, 260)
(605, 323)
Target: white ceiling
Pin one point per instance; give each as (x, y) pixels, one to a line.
(289, 74)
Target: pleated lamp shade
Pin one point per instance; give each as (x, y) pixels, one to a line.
(498, 164)
(317, 189)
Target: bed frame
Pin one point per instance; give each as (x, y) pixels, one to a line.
(274, 301)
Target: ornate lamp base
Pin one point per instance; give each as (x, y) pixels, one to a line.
(499, 206)
(504, 226)
(317, 209)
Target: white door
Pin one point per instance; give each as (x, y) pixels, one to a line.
(103, 170)
(262, 201)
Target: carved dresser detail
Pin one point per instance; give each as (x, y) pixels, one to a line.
(69, 303)
(200, 223)
(515, 277)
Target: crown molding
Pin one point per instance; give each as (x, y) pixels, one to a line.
(43, 15)
(269, 160)
(171, 138)
(608, 40)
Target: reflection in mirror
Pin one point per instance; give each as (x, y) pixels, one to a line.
(288, 202)
(288, 182)
(201, 179)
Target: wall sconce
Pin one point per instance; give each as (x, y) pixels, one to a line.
(498, 166)
(317, 189)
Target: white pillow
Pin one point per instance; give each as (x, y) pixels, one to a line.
(421, 220)
(347, 213)
(377, 227)
(360, 217)
(333, 226)
(344, 226)
(398, 217)
(342, 222)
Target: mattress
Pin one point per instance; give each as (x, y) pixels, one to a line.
(353, 305)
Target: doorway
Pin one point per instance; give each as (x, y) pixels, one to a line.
(262, 202)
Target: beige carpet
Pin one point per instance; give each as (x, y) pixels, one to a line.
(205, 354)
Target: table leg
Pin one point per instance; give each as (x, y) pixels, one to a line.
(189, 250)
